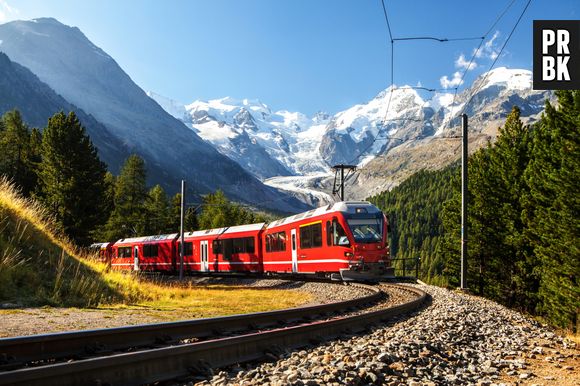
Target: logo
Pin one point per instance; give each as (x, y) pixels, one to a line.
(556, 54)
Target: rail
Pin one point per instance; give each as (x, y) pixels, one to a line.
(154, 365)
(21, 350)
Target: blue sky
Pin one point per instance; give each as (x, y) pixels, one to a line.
(299, 55)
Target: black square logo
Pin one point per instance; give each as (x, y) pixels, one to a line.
(556, 55)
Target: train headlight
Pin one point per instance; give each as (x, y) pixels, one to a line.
(348, 254)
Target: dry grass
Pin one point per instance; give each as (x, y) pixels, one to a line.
(39, 266)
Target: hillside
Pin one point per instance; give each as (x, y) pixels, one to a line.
(40, 267)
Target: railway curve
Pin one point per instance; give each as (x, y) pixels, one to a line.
(161, 354)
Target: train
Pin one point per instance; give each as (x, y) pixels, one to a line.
(347, 240)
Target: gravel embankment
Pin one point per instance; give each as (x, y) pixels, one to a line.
(457, 340)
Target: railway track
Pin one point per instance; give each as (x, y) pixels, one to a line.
(151, 353)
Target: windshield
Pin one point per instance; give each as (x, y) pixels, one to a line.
(366, 230)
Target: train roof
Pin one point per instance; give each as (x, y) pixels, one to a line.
(99, 245)
(145, 239)
(342, 206)
(226, 230)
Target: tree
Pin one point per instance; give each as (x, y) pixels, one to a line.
(552, 208)
(17, 160)
(219, 212)
(129, 217)
(71, 177)
(158, 211)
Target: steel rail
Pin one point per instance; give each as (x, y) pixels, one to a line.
(79, 344)
(185, 360)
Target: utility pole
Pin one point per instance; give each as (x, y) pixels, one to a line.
(340, 188)
(464, 190)
(181, 231)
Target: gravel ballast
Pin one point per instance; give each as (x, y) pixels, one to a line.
(458, 340)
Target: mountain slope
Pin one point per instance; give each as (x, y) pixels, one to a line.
(86, 76)
(21, 89)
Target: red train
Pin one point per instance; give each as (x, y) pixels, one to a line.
(346, 240)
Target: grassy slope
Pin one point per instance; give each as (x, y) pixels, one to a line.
(40, 267)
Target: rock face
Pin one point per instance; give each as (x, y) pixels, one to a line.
(457, 340)
(84, 75)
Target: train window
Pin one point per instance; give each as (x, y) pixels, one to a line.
(227, 248)
(238, 246)
(187, 248)
(275, 242)
(335, 234)
(216, 245)
(124, 252)
(311, 236)
(249, 243)
(150, 250)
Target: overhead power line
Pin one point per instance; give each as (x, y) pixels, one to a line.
(497, 57)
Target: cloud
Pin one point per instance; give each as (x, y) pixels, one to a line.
(453, 82)
(490, 48)
(462, 63)
(7, 12)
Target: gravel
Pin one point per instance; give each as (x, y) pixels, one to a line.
(458, 340)
(322, 292)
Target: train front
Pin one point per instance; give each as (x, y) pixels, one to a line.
(367, 228)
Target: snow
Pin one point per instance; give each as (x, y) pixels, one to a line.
(301, 184)
(440, 100)
(292, 138)
(513, 79)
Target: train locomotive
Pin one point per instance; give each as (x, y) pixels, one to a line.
(344, 241)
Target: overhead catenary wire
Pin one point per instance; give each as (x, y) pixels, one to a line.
(497, 57)
(473, 56)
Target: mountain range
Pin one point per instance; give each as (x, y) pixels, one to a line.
(398, 132)
(273, 159)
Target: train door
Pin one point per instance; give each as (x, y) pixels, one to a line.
(136, 258)
(294, 251)
(203, 255)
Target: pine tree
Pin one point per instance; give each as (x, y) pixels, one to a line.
(129, 218)
(158, 211)
(191, 222)
(17, 161)
(71, 177)
(552, 209)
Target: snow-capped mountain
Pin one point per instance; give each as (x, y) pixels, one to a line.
(266, 143)
(388, 137)
(491, 97)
